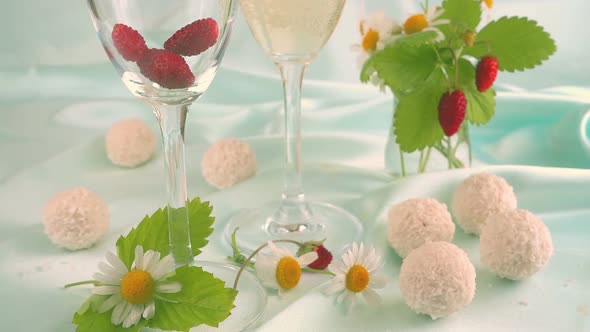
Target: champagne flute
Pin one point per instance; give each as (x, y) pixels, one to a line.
(292, 32)
(167, 54)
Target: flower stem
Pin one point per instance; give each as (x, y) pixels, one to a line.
(402, 162)
(308, 269)
(79, 283)
(425, 161)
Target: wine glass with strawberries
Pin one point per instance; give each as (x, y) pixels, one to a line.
(167, 54)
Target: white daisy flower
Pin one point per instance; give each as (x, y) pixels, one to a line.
(281, 270)
(486, 8)
(426, 22)
(356, 274)
(132, 292)
(377, 31)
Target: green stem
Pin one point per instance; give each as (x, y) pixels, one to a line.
(425, 161)
(421, 160)
(308, 269)
(454, 161)
(402, 162)
(450, 154)
(426, 6)
(85, 282)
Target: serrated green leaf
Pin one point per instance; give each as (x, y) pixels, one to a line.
(152, 232)
(402, 68)
(465, 14)
(203, 299)
(89, 320)
(417, 39)
(517, 42)
(416, 123)
(481, 106)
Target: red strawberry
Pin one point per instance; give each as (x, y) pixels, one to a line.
(166, 68)
(193, 38)
(324, 258)
(487, 70)
(128, 42)
(451, 111)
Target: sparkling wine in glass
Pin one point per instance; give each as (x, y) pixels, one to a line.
(167, 54)
(292, 32)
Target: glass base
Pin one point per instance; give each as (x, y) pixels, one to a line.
(301, 221)
(250, 303)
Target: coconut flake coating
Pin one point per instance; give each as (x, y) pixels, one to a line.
(480, 196)
(437, 279)
(130, 143)
(515, 244)
(76, 219)
(227, 162)
(416, 221)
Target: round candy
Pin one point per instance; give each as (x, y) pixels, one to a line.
(414, 222)
(130, 143)
(515, 244)
(480, 196)
(76, 219)
(227, 162)
(437, 279)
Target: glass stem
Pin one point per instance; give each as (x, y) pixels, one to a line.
(292, 75)
(172, 120)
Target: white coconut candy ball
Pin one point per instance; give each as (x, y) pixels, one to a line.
(480, 196)
(227, 162)
(437, 279)
(130, 143)
(515, 244)
(76, 219)
(416, 221)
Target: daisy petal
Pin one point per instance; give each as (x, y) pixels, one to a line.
(116, 262)
(168, 287)
(378, 282)
(106, 290)
(162, 268)
(106, 279)
(334, 288)
(343, 297)
(108, 270)
(308, 258)
(274, 248)
(371, 297)
(360, 257)
(150, 259)
(150, 310)
(134, 315)
(355, 251)
(110, 303)
(337, 267)
(348, 260)
(116, 317)
(349, 303)
(138, 263)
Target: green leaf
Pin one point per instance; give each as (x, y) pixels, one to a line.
(517, 42)
(403, 68)
(416, 123)
(152, 232)
(464, 14)
(417, 39)
(481, 107)
(203, 299)
(89, 320)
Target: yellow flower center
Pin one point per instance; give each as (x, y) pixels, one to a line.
(137, 287)
(288, 272)
(489, 3)
(415, 23)
(370, 40)
(357, 278)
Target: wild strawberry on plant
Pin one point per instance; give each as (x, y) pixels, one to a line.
(451, 111)
(324, 255)
(487, 70)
